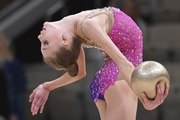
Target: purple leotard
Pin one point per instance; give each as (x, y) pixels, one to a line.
(127, 36)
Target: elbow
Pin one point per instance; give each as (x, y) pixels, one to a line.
(125, 64)
(81, 75)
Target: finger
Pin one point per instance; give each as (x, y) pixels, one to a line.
(38, 105)
(32, 107)
(159, 97)
(166, 90)
(141, 100)
(42, 107)
(31, 97)
(34, 104)
(161, 94)
(144, 98)
(35, 108)
(157, 92)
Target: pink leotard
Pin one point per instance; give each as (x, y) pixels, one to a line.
(127, 36)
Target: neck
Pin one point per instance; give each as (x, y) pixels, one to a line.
(69, 24)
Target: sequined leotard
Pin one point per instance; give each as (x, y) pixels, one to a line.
(127, 36)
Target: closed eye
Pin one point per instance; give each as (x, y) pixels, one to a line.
(45, 43)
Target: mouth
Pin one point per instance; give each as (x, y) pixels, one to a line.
(43, 29)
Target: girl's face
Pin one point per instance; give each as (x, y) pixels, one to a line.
(50, 38)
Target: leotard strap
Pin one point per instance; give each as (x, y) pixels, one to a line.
(94, 13)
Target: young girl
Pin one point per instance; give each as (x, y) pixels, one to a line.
(119, 38)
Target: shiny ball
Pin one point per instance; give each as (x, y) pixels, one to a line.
(146, 76)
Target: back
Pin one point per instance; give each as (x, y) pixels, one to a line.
(127, 36)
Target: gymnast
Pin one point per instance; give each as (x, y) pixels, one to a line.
(118, 37)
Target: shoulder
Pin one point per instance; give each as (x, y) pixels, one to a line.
(94, 24)
(104, 18)
(92, 20)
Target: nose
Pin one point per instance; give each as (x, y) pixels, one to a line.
(45, 23)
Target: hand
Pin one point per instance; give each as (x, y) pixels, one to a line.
(160, 97)
(38, 98)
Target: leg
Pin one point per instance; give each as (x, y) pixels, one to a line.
(102, 106)
(121, 102)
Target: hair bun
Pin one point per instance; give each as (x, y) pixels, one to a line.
(72, 69)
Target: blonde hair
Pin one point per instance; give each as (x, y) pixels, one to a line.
(65, 58)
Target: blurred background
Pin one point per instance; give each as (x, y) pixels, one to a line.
(22, 68)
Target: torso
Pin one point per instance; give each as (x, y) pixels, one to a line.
(127, 37)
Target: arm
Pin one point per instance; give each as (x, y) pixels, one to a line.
(40, 95)
(95, 32)
(66, 78)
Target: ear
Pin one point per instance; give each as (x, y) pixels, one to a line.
(65, 39)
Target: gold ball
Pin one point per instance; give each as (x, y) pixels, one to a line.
(146, 76)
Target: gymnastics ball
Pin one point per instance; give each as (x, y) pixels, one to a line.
(146, 76)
